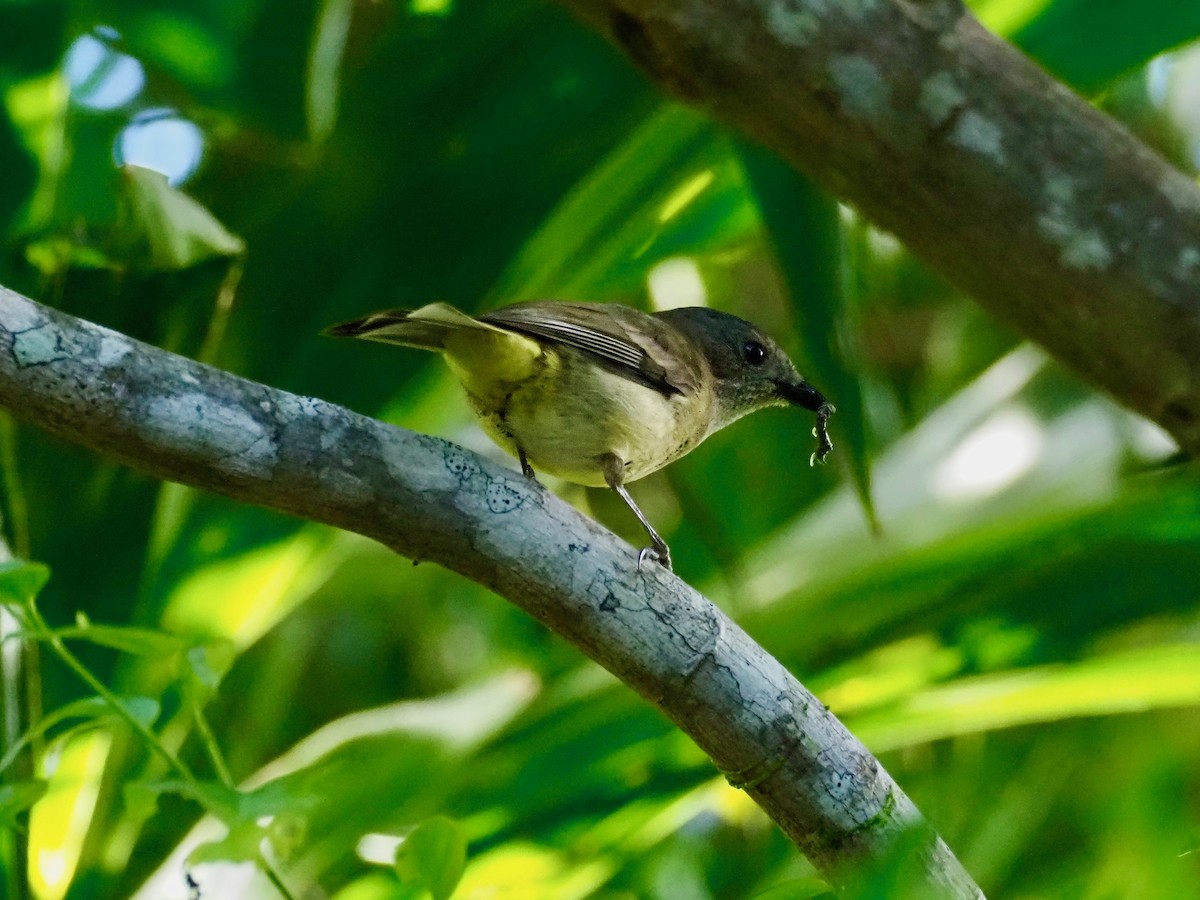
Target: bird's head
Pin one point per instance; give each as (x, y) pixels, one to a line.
(750, 370)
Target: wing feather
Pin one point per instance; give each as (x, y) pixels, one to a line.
(628, 342)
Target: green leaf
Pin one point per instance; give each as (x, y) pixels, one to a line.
(21, 581)
(1107, 684)
(171, 229)
(144, 710)
(1068, 573)
(325, 65)
(434, 855)
(243, 843)
(804, 228)
(289, 834)
(227, 804)
(376, 886)
(1119, 37)
(141, 799)
(18, 796)
(127, 639)
(796, 889)
(85, 708)
(207, 664)
(669, 188)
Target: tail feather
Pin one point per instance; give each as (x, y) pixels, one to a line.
(487, 360)
(426, 328)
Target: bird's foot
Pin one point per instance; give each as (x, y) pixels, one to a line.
(526, 468)
(659, 553)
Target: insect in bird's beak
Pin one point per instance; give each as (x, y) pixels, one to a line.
(802, 394)
(821, 433)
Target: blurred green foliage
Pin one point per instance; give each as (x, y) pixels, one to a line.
(1018, 640)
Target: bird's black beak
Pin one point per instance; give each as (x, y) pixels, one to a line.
(801, 394)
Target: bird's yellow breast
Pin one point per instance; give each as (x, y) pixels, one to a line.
(569, 412)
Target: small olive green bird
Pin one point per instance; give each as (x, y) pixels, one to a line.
(599, 393)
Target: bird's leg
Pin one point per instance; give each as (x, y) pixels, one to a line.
(526, 468)
(614, 474)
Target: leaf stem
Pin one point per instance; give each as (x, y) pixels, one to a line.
(209, 740)
(56, 644)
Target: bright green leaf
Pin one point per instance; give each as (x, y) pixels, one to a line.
(796, 889)
(175, 231)
(127, 639)
(325, 65)
(85, 708)
(18, 796)
(1122, 682)
(144, 710)
(434, 854)
(376, 886)
(20, 580)
(1088, 44)
(243, 843)
(223, 802)
(671, 188)
(289, 833)
(207, 663)
(141, 799)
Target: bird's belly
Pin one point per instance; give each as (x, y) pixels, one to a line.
(566, 425)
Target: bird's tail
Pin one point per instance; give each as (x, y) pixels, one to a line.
(426, 328)
(487, 360)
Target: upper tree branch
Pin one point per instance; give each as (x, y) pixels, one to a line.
(431, 500)
(1050, 214)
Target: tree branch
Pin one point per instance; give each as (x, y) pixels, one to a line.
(428, 499)
(1046, 211)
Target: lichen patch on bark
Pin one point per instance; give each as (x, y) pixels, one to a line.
(863, 90)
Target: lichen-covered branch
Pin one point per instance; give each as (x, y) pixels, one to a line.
(431, 500)
(1050, 214)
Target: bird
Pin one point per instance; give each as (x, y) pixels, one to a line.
(602, 394)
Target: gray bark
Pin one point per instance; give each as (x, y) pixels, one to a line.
(430, 500)
(1050, 214)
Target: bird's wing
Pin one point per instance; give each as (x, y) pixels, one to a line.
(626, 341)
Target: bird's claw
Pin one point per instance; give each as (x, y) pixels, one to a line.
(659, 554)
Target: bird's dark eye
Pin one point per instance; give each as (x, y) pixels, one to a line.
(754, 353)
